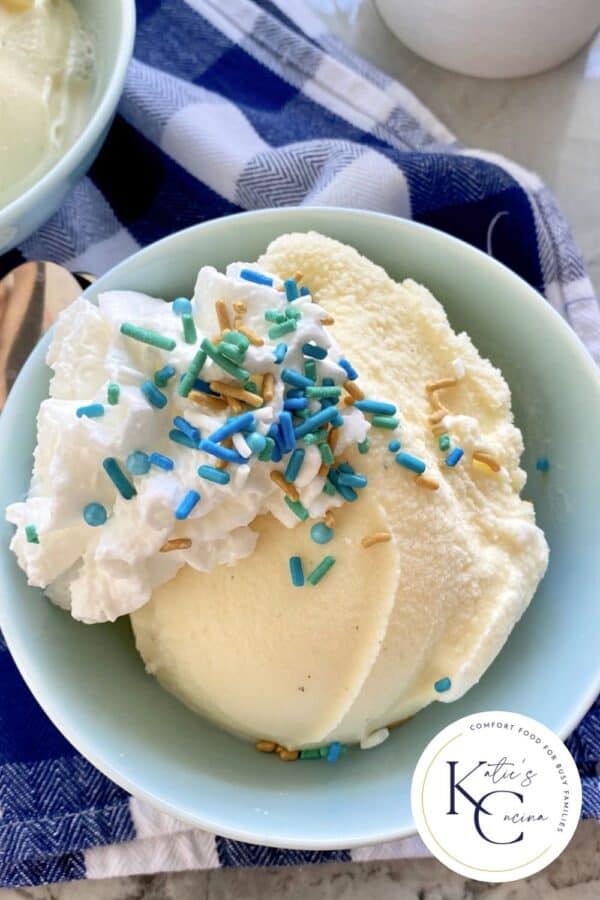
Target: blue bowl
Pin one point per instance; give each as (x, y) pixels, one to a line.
(111, 23)
(91, 682)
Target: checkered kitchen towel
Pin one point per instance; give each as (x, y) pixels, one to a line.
(228, 106)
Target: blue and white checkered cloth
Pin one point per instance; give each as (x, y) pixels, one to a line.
(232, 106)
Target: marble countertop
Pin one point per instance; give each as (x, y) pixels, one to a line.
(549, 123)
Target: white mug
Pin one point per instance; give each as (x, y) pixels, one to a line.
(493, 38)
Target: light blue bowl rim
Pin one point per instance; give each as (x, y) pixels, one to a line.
(552, 320)
(94, 127)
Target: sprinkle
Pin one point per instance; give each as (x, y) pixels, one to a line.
(332, 438)
(296, 571)
(444, 442)
(314, 350)
(182, 543)
(394, 446)
(239, 306)
(295, 403)
(181, 306)
(94, 514)
(224, 453)
(240, 444)
(389, 422)
(235, 371)
(378, 537)
(280, 353)
(237, 423)
(427, 482)
(347, 492)
(440, 385)
(444, 684)
(113, 392)
(256, 277)
(322, 392)
(277, 331)
(291, 289)
(287, 431)
(238, 338)
(436, 417)
(288, 755)
(297, 508)
(216, 403)
(187, 505)
(329, 489)
(487, 459)
(310, 369)
(354, 481)
(147, 336)
(321, 533)
(265, 455)
(454, 456)
(187, 382)
(271, 315)
(328, 320)
(374, 739)
(329, 518)
(161, 461)
(363, 447)
(326, 454)
(192, 432)
(353, 390)
(410, 462)
(289, 489)
(118, 478)
(348, 369)
(304, 292)
(210, 473)
(31, 534)
(92, 411)
(376, 406)
(162, 376)
(319, 418)
(334, 752)
(153, 395)
(319, 571)
(189, 329)
(257, 442)
(296, 379)
(252, 336)
(137, 463)
(180, 437)
(459, 368)
(310, 753)
(265, 746)
(238, 393)
(294, 465)
(542, 464)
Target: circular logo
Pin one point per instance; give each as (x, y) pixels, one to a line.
(496, 796)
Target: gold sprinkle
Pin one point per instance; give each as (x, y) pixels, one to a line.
(288, 755)
(435, 402)
(176, 544)
(353, 389)
(222, 315)
(266, 746)
(438, 415)
(378, 537)
(323, 470)
(233, 391)
(328, 320)
(268, 387)
(216, 403)
(290, 489)
(221, 464)
(279, 287)
(240, 306)
(487, 459)
(347, 400)
(427, 481)
(438, 429)
(236, 406)
(332, 438)
(329, 519)
(440, 385)
(257, 380)
(298, 276)
(254, 339)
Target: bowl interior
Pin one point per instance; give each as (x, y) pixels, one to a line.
(91, 682)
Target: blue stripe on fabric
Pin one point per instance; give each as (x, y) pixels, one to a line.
(67, 867)
(236, 853)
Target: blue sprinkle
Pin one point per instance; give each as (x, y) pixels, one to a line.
(187, 504)
(153, 395)
(162, 376)
(137, 463)
(444, 684)
(225, 453)
(292, 403)
(411, 462)
(94, 514)
(256, 277)
(204, 387)
(352, 480)
(314, 350)
(118, 478)
(314, 422)
(348, 369)
(347, 492)
(454, 456)
(279, 353)
(276, 453)
(377, 407)
(294, 393)
(321, 533)
(232, 426)
(180, 437)
(190, 430)
(294, 465)
(542, 464)
(291, 289)
(286, 427)
(338, 419)
(211, 473)
(296, 379)
(257, 442)
(394, 446)
(304, 292)
(334, 752)
(275, 433)
(162, 461)
(181, 306)
(92, 411)
(296, 571)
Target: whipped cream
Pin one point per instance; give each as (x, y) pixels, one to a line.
(100, 573)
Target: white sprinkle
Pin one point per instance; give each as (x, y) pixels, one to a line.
(264, 414)
(239, 442)
(240, 475)
(459, 367)
(374, 739)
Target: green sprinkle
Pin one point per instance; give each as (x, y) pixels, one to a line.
(113, 392)
(363, 447)
(232, 352)
(390, 422)
(309, 753)
(293, 313)
(236, 337)
(251, 387)
(147, 336)
(296, 571)
(310, 369)
(189, 329)
(302, 413)
(321, 570)
(329, 489)
(311, 437)
(272, 315)
(277, 331)
(235, 371)
(187, 382)
(322, 392)
(326, 454)
(265, 454)
(444, 442)
(164, 375)
(297, 508)
(31, 534)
